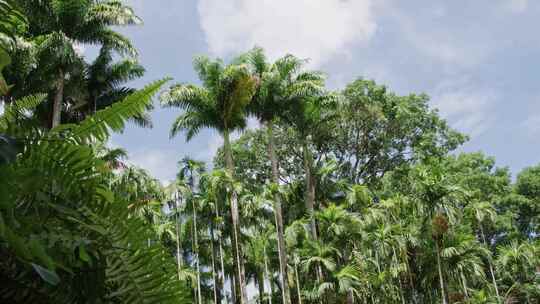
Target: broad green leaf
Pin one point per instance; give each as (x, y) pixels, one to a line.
(47, 275)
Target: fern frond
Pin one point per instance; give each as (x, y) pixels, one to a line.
(16, 110)
(140, 271)
(113, 118)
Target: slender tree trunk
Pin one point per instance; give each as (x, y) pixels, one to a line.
(215, 275)
(237, 247)
(441, 279)
(297, 283)
(310, 197)
(234, 299)
(310, 188)
(282, 249)
(350, 297)
(414, 292)
(178, 245)
(196, 253)
(260, 285)
(57, 103)
(490, 265)
(221, 258)
(267, 276)
(279, 260)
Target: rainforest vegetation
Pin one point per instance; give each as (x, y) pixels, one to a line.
(354, 195)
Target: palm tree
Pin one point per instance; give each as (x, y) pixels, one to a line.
(309, 117)
(258, 253)
(215, 187)
(58, 25)
(190, 171)
(482, 213)
(173, 191)
(463, 259)
(219, 104)
(437, 201)
(518, 264)
(340, 227)
(281, 84)
(105, 81)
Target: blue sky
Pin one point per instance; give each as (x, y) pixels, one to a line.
(478, 60)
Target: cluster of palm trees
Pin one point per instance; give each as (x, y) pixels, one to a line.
(44, 47)
(417, 235)
(228, 94)
(348, 196)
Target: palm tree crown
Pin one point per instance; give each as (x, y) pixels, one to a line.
(218, 104)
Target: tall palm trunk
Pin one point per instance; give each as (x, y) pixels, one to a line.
(233, 288)
(215, 275)
(237, 248)
(441, 279)
(282, 250)
(412, 286)
(310, 197)
(178, 245)
(199, 299)
(57, 103)
(310, 188)
(267, 276)
(221, 257)
(490, 265)
(259, 280)
(297, 282)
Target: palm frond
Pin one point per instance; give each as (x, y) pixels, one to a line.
(209, 71)
(112, 13)
(187, 97)
(124, 71)
(192, 122)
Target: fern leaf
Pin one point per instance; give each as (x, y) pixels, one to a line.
(113, 118)
(17, 109)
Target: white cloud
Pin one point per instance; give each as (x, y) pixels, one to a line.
(468, 108)
(532, 124)
(318, 30)
(161, 164)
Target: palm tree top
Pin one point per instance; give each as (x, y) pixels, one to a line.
(82, 21)
(283, 84)
(218, 104)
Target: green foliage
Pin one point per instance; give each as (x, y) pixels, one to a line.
(66, 237)
(100, 125)
(347, 196)
(5, 60)
(219, 104)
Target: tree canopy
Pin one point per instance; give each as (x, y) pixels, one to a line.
(354, 195)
